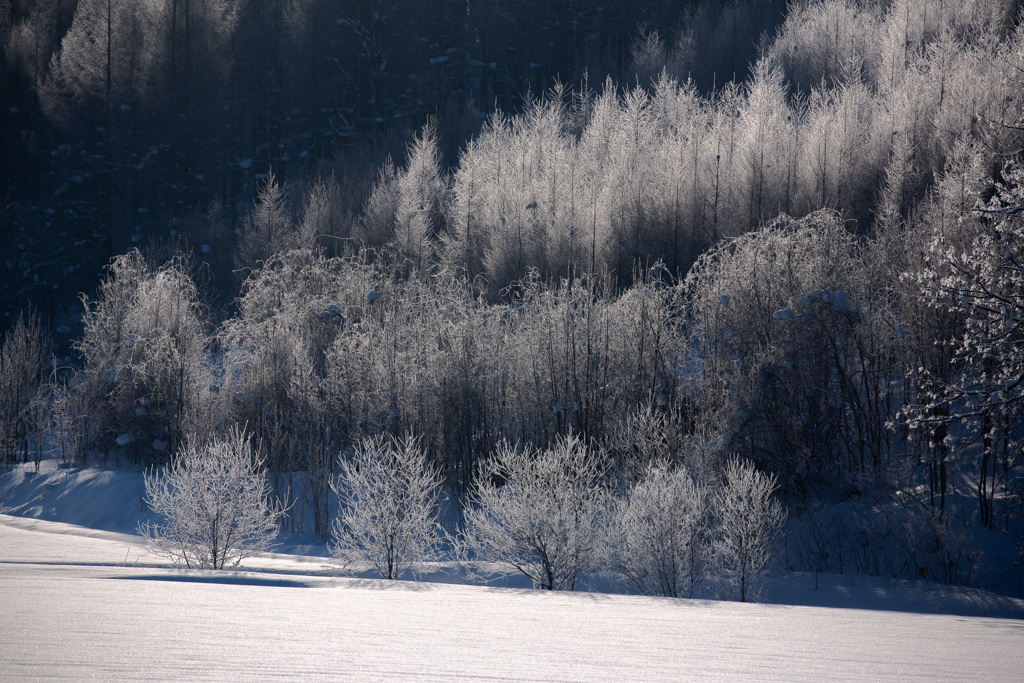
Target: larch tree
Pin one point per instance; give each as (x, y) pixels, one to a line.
(105, 70)
(420, 190)
(268, 229)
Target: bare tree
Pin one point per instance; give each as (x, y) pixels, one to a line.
(539, 512)
(389, 506)
(748, 529)
(216, 503)
(23, 357)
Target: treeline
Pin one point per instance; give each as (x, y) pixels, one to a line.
(818, 271)
(847, 368)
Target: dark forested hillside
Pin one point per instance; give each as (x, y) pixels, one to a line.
(766, 246)
(128, 122)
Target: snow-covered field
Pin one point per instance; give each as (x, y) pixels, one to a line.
(83, 604)
(79, 603)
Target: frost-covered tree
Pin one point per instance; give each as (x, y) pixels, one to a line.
(640, 440)
(539, 512)
(29, 42)
(326, 218)
(647, 58)
(389, 497)
(420, 191)
(931, 325)
(216, 505)
(748, 526)
(977, 276)
(784, 318)
(268, 229)
(510, 203)
(376, 226)
(658, 536)
(101, 64)
(23, 363)
(764, 136)
(404, 206)
(276, 355)
(818, 40)
(146, 379)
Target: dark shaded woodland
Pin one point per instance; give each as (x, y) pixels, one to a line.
(129, 124)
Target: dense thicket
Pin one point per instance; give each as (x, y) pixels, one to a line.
(815, 268)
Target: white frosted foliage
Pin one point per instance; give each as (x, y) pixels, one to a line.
(748, 527)
(389, 497)
(216, 503)
(659, 537)
(539, 513)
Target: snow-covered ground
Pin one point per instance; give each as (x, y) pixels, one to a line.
(78, 602)
(88, 604)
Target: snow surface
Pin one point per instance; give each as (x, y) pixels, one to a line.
(79, 602)
(90, 604)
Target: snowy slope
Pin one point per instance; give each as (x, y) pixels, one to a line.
(81, 596)
(95, 497)
(87, 604)
(108, 499)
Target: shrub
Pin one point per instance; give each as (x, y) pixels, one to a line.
(748, 529)
(658, 541)
(389, 506)
(216, 504)
(539, 512)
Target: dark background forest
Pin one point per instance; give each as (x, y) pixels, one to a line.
(680, 232)
(128, 123)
